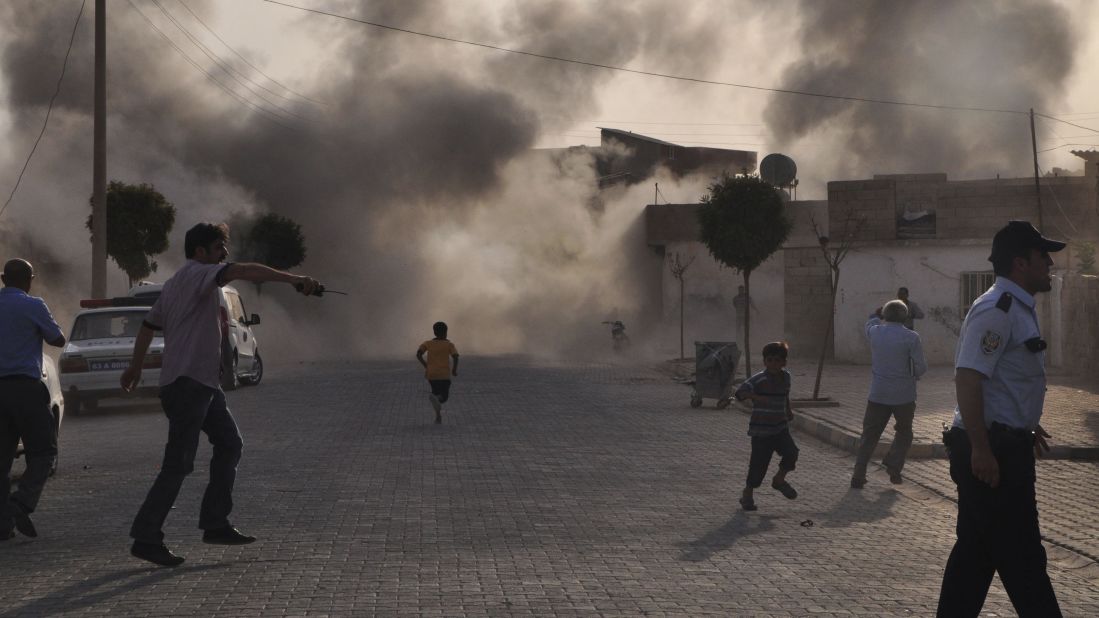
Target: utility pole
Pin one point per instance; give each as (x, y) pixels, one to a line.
(99, 157)
(1037, 184)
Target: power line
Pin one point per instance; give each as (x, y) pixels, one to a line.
(1071, 124)
(245, 61)
(649, 73)
(1065, 146)
(224, 66)
(49, 108)
(271, 116)
(1062, 210)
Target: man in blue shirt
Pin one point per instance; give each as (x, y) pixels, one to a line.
(1000, 380)
(897, 360)
(25, 322)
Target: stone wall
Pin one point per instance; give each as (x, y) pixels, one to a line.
(806, 290)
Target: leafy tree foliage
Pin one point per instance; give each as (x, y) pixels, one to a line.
(273, 240)
(139, 219)
(743, 221)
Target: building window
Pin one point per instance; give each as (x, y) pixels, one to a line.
(973, 285)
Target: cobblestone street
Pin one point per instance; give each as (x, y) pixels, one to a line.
(551, 489)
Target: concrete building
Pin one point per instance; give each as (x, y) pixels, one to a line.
(920, 231)
(624, 156)
(709, 287)
(933, 236)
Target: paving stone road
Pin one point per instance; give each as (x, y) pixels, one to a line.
(552, 489)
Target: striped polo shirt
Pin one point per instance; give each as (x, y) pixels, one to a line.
(769, 413)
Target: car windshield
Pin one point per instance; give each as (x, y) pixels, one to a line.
(107, 324)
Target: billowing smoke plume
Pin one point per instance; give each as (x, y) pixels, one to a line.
(1005, 55)
(415, 182)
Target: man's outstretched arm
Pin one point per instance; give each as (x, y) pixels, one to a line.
(258, 273)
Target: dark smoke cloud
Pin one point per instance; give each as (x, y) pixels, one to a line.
(415, 185)
(1006, 55)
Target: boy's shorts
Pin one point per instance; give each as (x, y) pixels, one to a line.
(441, 389)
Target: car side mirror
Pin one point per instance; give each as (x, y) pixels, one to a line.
(254, 320)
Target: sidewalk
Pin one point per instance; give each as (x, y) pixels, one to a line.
(1071, 411)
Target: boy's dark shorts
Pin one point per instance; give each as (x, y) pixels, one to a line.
(441, 389)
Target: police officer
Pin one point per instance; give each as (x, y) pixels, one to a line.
(25, 322)
(1000, 381)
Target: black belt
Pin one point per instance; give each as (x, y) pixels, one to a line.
(17, 377)
(998, 433)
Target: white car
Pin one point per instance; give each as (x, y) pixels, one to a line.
(241, 362)
(99, 350)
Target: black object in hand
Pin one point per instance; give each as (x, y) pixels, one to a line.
(319, 290)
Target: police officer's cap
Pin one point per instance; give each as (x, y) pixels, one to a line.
(1018, 236)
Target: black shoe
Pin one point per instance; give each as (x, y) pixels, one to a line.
(785, 489)
(23, 521)
(155, 553)
(895, 477)
(858, 482)
(227, 536)
(748, 504)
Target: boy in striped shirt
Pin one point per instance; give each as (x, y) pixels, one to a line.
(769, 391)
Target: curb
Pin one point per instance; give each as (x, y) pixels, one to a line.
(847, 440)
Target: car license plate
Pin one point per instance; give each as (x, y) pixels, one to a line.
(119, 364)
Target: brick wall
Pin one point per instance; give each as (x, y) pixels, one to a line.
(806, 291)
(973, 209)
(872, 200)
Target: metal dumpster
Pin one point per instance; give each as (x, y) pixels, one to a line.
(715, 366)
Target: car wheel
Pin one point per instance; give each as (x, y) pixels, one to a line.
(72, 405)
(257, 371)
(229, 379)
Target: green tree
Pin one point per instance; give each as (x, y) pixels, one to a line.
(1085, 253)
(271, 239)
(138, 221)
(743, 221)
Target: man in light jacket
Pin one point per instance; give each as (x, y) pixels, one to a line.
(896, 362)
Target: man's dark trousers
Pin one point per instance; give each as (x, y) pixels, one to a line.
(25, 411)
(192, 408)
(997, 531)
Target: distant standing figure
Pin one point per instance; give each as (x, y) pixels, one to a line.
(914, 311)
(188, 311)
(1000, 380)
(25, 322)
(769, 428)
(743, 304)
(437, 366)
(896, 362)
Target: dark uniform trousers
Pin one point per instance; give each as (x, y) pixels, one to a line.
(997, 530)
(25, 412)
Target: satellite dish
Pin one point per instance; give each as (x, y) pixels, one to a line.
(778, 170)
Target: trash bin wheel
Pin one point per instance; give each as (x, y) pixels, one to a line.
(696, 401)
(722, 403)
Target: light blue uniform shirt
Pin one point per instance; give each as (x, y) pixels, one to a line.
(992, 341)
(25, 322)
(897, 360)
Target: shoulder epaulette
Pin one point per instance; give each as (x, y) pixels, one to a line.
(1004, 304)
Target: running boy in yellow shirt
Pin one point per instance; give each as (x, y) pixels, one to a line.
(438, 370)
